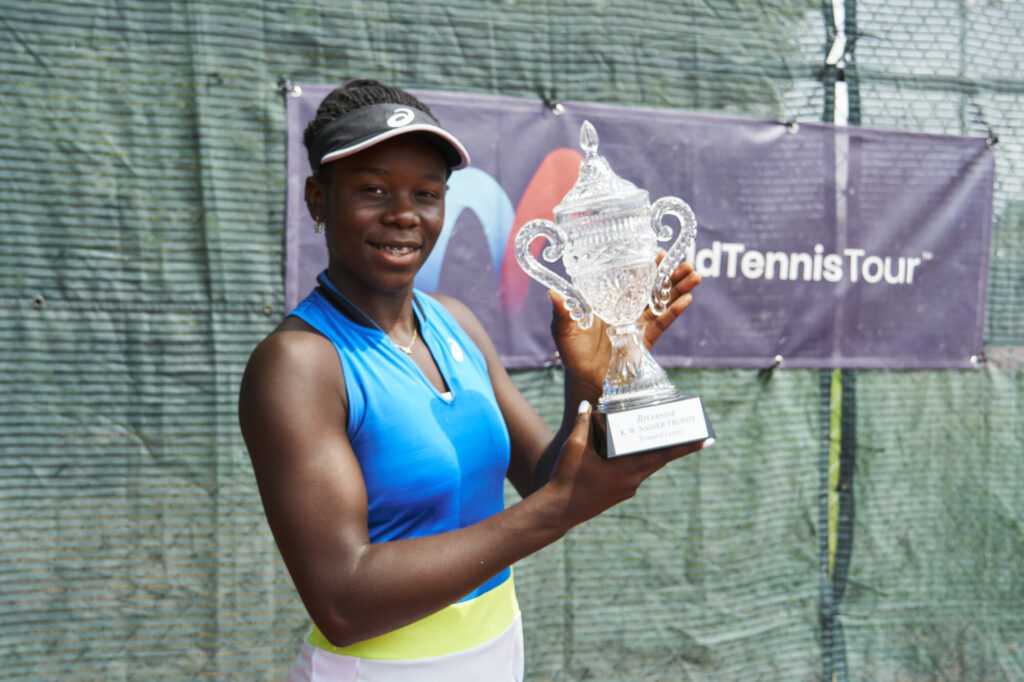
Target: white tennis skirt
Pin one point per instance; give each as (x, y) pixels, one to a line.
(498, 660)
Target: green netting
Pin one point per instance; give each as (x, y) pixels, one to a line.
(708, 573)
(934, 589)
(141, 258)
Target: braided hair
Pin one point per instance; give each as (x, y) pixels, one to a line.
(355, 94)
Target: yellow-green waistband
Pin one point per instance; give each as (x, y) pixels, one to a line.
(454, 628)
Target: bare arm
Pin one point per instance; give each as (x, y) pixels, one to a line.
(292, 410)
(565, 465)
(293, 421)
(585, 354)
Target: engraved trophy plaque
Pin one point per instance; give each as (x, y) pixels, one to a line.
(606, 232)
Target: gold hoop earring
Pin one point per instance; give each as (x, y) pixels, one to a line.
(319, 227)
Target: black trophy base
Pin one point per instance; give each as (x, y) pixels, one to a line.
(639, 429)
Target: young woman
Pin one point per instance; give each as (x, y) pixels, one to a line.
(381, 423)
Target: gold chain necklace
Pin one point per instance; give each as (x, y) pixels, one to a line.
(407, 349)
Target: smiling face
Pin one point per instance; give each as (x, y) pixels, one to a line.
(382, 209)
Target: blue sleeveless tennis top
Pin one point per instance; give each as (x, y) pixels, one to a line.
(431, 461)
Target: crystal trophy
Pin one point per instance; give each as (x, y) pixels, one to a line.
(606, 232)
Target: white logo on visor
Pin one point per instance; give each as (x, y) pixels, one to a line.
(403, 116)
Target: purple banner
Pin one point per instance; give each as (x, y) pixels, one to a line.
(823, 246)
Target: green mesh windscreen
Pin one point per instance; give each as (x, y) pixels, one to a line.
(859, 525)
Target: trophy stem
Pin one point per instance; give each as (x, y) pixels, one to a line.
(634, 377)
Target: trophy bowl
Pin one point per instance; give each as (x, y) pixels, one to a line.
(606, 233)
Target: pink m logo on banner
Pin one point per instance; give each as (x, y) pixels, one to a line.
(475, 190)
(552, 181)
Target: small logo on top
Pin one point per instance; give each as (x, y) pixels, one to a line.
(403, 116)
(455, 349)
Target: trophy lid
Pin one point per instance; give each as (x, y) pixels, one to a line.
(597, 185)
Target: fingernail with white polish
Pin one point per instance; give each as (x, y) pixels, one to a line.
(584, 406)
(708, 443)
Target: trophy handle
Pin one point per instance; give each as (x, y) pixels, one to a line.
(574, 301)
(677, 253)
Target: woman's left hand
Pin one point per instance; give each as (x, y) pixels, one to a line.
(586, 353)
(684, 280)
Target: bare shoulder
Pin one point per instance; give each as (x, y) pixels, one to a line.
(466, 319)
(457, 308)
(294, 372)
(291, 352)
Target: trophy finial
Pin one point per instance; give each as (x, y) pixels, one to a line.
(597, 182)
(588, 139)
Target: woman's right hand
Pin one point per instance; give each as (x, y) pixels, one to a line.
(587, 483)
